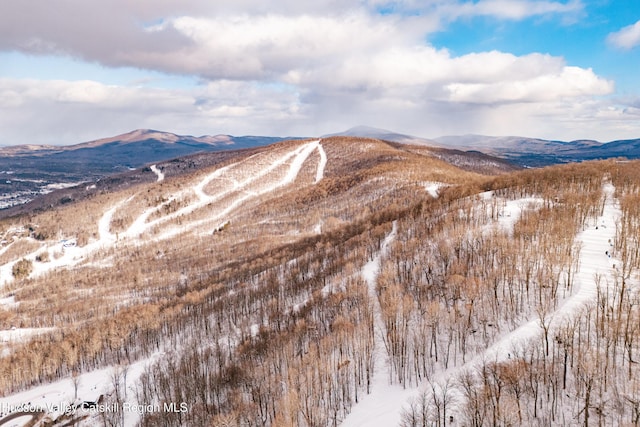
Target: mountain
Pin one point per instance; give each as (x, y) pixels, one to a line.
(101, 178)
(31, 170)
(534, 152)
(525, 152)
(28, 171)
(138, 147)
(385, 135)
(344, 281)
(470, 160)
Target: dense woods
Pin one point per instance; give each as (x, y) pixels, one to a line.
(267, 319)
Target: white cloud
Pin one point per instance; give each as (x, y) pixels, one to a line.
(424, 74)
(64, 112)
(287, 68)
(264, 46)
(33, 111)
(571, 82)
(235, 38)
(512, 9)
(627, 38)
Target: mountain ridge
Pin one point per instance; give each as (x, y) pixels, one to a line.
(523, 151)
(31, 170)
(141, 135)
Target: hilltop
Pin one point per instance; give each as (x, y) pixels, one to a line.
(330, 281)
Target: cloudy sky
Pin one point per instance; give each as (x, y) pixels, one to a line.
(76, 70)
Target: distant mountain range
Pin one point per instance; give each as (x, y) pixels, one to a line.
(27, 171)
(137, 147)
(526, 152)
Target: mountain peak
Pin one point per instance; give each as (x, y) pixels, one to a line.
(363, 131)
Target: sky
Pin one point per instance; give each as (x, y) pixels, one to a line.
(78, 70)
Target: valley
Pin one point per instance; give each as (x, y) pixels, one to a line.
(337, 281)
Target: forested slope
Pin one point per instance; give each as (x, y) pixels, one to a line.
(285, 287)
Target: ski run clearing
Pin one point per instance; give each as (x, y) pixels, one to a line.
(382, 407)
(221, 192)
(157, 171)
(385, 404)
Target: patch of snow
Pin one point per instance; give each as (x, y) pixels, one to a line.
(158, 172)
(58, 396)
(487, 195)
(513, 209)
(255, 329)
(20, 334)
(433, 187)
(104, 225)
(60, 185)
(322, 164)
(8, 302)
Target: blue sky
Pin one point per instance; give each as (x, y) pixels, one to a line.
(581, 40)
(75, 70)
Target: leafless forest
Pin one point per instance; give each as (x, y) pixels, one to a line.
(250, 286)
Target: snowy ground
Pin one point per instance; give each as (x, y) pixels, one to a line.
(510, 212)
(157, 171)
(593, 261)
(245, 180)
(59, 397)
(384, 406)
(17, 334)
(322, 164)
(240, 184)
(433, 188)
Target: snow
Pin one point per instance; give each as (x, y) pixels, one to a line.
(249, 187)
(383, 406)
(245, 184)
(513, 209)
(6, 248)
(158, 172)
(58, 396)
(19, 334)
(21, 420)
(8, 302)
(322, 164)
(254, 330)
(433, 188)
(592, 261)
(59, 186)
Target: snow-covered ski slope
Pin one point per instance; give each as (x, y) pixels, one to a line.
(158, 172)
(208, 202)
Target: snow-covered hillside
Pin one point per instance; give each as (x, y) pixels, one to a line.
(334, 282)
